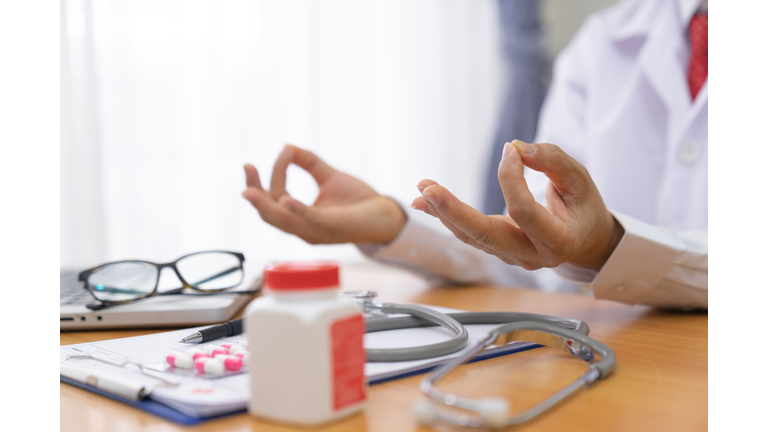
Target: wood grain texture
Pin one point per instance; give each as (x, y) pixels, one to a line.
(660, 382)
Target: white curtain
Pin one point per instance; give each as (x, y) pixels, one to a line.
(164, 101)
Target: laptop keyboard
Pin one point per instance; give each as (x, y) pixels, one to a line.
(72, 291)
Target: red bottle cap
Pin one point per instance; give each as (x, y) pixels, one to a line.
(302, 275)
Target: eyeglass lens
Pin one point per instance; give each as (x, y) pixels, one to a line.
(132, 280)
(211, 270)
(123, 281)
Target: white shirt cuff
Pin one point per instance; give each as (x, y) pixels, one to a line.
(634, 270)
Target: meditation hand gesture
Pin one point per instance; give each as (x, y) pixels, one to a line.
(346, 209)
(576, 226)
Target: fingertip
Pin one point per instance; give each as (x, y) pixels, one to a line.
(512, 162)
(421, 185)
(510, 151)
(435, 190)
(432, 199)
(428, 189)
(419, 204)
(252, 196)
(286, 151)
(524, 148)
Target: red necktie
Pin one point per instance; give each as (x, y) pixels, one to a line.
(697, 68)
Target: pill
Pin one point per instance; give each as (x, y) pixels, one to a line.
(228, 345)
(209, 366)
(196, 353)
(232, 363)
(236, 349)
(219, 350)
(243, 355)
(243, 343)
(209, 348)
(179, 360)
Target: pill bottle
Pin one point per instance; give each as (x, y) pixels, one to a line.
(307, 361)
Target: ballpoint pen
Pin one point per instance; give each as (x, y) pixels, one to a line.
(229, 328)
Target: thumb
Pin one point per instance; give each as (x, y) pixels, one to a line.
(565, 173)
(311, 215)
(293, 205)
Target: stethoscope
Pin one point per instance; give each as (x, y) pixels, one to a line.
(567, 333)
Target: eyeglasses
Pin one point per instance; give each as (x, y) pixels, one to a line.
(128, 281)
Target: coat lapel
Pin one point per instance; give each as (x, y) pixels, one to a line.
(663, 58)
(663, 62)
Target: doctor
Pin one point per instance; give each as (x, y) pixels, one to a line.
(617, 204)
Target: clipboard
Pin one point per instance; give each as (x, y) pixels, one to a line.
(168, 413)
(148, 405)
(161, 406)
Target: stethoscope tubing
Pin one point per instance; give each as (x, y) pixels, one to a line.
(454, 322)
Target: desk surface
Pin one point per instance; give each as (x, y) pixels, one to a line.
(660, 382)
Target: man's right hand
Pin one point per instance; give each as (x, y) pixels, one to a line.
(346, 209)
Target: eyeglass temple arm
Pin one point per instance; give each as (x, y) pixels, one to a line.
(109, 289)
(218, 275)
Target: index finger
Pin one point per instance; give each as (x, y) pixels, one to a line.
(313, 164)
(277, 185)
(305, 159)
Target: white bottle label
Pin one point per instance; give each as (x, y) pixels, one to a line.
(348, 357)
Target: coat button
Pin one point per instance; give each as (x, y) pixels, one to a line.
(690, 152)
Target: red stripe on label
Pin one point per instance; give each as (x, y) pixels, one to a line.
(348, 356)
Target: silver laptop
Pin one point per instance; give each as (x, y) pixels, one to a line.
(161, 311)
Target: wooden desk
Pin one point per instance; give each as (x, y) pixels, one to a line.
(660, 382)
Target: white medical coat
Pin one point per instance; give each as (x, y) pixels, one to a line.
(619, 103)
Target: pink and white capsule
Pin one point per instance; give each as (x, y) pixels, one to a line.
(243, 356)
(231, 362)
(218, 351)
(234, 349)
(209, 348)
(196, 353)
(179, 360)
(209, 366)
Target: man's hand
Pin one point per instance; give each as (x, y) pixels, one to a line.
(575, 227)
(346, 209)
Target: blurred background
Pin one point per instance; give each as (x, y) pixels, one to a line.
(162, 102)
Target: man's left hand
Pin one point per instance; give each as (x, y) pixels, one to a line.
(575, 227)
